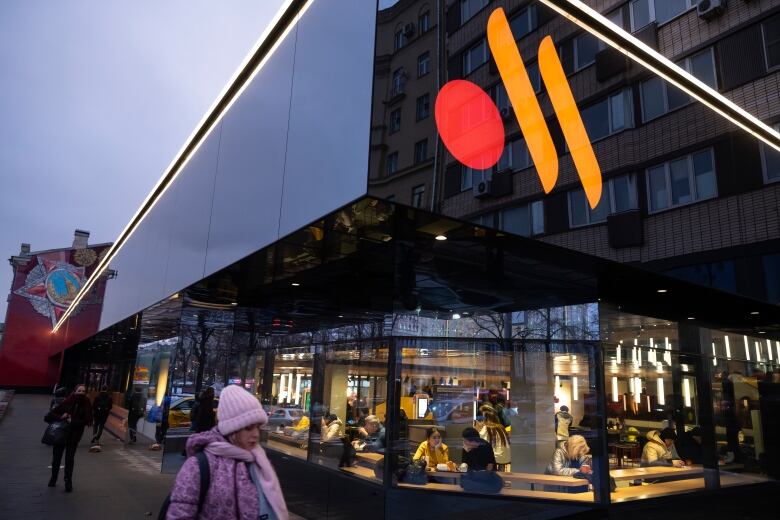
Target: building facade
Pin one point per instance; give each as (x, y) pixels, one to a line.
(685, 192)
(302, 245)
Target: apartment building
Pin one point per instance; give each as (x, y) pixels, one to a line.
(685, 191)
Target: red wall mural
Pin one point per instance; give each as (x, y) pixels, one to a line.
(41, 292)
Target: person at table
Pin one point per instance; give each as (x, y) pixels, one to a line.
(572, 457)
(492, 431)
(332, 428)
(432, 449)
(372, 435)
(563, 421)
(477, 452)
(689, 446)
(658, 449)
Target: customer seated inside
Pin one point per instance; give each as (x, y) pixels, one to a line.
(372, 436)
(571, 458)
(332, 428)
(491, 430)
(658, 449)
(477, 452)
(689, 446)
(433, 451)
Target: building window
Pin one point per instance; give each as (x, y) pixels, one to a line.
(420, 151)
(423, 106)
(771, 159)
(524, 23)
(399, 39)
(469, 177)
(659, 97)
(399, 82)
(585, 48)
(525, 220)
(423, 64)
(534, 76)
(501, 99)
(487, 220)
(645, 11)
(392, 163)
(682, 181)
(418, 196)
(617, 195)
(395, 121)
(469, 8)
(475, 57)
(608, 116)
(424, 22)
(515, 156)
(616, 17)
(772, 41)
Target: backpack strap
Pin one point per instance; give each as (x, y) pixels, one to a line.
(205, 478)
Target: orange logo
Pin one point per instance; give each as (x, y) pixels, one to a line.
(470, 125)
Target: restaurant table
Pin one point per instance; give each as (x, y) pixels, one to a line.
(520, 478)
(665, 472)
(631, 451)
(550, 495)
(370, 458)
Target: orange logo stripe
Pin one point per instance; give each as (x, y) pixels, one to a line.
(521, 94)
(529, 113)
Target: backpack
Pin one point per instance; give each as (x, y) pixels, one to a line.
(205, 482)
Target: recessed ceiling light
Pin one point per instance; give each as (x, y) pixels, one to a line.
(754, 313)
(341, 315)
(661, 290)
(456, 316)
(295, 284)
(761, 332)
(691, 318)
(441, 237)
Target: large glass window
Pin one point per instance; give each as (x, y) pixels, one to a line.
(682, 181)
(659, 97)
(618, 194)
(512, 393)
(475, 57)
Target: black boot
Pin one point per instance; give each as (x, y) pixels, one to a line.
(68, 486)
(53, 479)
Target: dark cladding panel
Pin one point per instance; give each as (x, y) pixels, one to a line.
(194, 191)
(248, 189)
(328, 143)
(741, 57)
(122, 296)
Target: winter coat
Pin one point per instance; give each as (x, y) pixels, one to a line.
(80, 411)
(203, 416)
(501, 450)
(136, 407)
(655, 452)
(101, 407)
(333, 431)
(479, 458)
(438, 455)
(562, 422)
(561, 464)
(232, 493)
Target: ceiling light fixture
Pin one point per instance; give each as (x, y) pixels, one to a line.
(441, 237)
(661, 290)
(295, 284)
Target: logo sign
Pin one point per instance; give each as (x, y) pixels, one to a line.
(472, 130)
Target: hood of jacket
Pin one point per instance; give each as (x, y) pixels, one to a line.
(655, 436)
(564, 415)
(199, 441)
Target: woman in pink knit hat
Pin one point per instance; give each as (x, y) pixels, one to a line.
(243, 484)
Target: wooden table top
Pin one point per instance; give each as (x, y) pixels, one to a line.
(656, 472)
(369, 456)
(551, 495)
(525, 478)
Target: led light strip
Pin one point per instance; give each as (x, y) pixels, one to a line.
(623, 41)
(290, 13)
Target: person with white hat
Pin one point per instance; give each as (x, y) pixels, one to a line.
(243, 484)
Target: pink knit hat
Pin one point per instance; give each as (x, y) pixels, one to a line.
(238, 409)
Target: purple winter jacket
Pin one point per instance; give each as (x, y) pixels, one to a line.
(231, 495)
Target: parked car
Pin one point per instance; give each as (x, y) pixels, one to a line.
(179, 413)
(281, 417)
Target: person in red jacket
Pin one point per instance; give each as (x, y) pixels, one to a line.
(77, 410)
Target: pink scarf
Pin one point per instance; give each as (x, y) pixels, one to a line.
(268, 480)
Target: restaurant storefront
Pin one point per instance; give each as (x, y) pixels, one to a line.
(290, 249)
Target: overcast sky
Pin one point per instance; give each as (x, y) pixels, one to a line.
(96, 98)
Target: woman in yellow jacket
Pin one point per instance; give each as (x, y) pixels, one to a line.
(433, 450)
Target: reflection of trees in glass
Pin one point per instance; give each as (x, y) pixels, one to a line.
(205, 347)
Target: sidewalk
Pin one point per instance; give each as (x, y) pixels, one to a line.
(120, 482)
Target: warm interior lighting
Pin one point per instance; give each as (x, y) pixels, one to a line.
(661, 290)
(691, 318)
(648, 404)
(557, 382)
(295, 284)
(619, 349)
(728, 347)
(297, 388)
(754, 313)
(777, 346)
(637, 390)
(623, 41)
(215, 113)
(714, 355)
(758, 351)
(769, 349)
(747, 349)
(615, 389)
(282, 379)
(574, 388)
(660, 391)
(687, 391)
(441, 237)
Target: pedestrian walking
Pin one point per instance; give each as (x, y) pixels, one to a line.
(202, 416)
(59, 395)
(77, 411)
(101, 408)
(135, 410)
(242, 482)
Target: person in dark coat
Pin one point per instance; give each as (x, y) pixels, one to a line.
(203, 417)
(59, 395)
(689, 446)
(101, 408)
(77, 410)
(135, 411)
(477, 452)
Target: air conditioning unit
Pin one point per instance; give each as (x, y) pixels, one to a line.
(709, 9)
(409, 29)
(483, 189)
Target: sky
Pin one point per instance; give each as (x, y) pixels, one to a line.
(96, 98)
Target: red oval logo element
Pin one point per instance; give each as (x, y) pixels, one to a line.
(469, 124)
